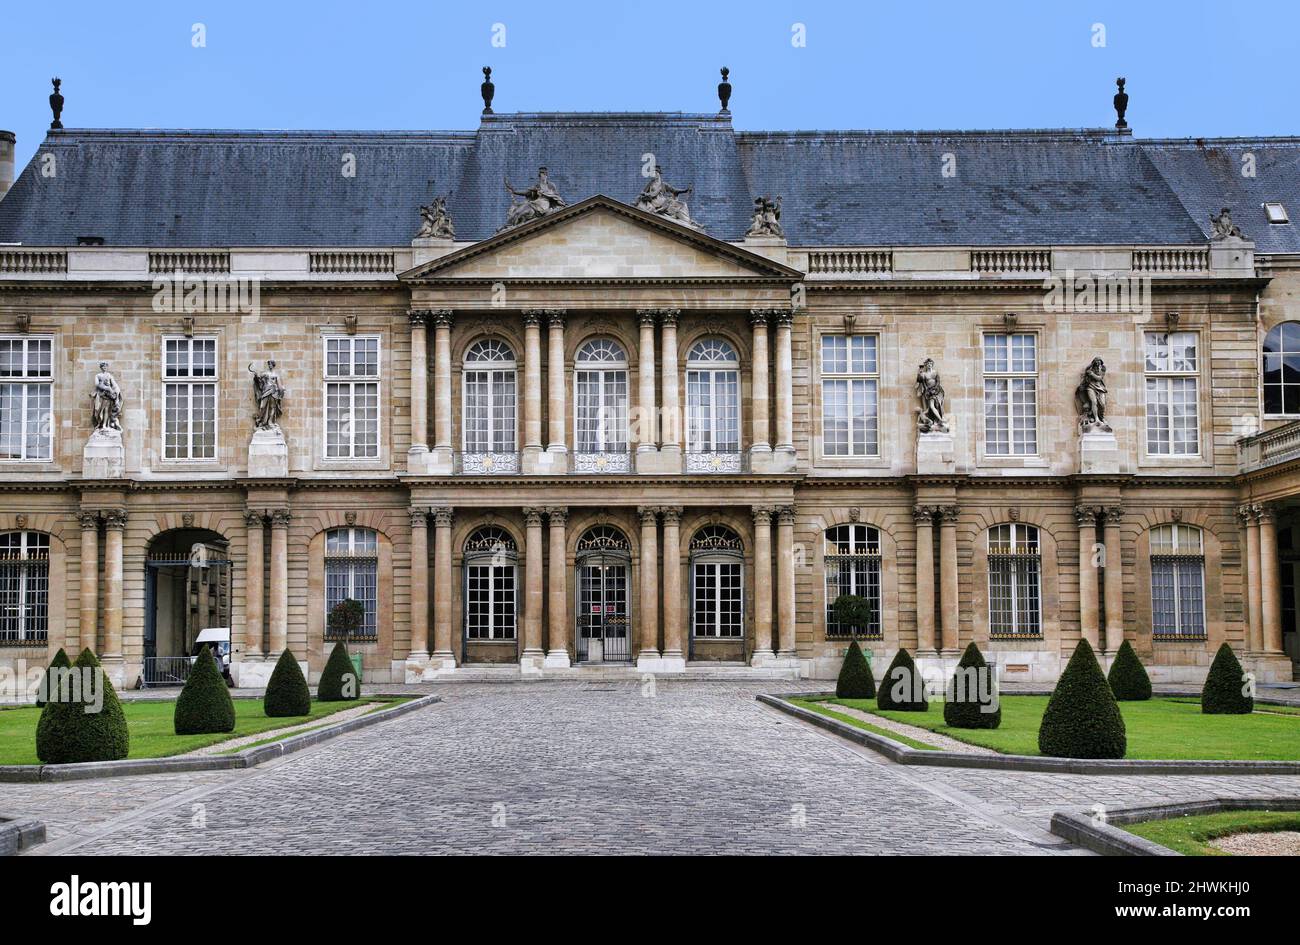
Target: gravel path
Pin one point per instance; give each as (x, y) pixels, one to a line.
(1277, 843)
(914, 732)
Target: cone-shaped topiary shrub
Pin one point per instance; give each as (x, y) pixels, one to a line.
(60, 661)
(855, 680)
(204, 705)
(287, 693)
(1225, 691)
(902, 687)
(972, 700)
(1128, 677)
(338, 681)
(88, 727)
(1082, 718)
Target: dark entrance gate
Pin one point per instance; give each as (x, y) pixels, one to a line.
(185, 592)
(604, 633)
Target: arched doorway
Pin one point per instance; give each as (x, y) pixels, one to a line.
(604, 560)
(717, 595)
(491, 597)
(187, 590)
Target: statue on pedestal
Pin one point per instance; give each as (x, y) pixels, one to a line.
(1090, 398)
(767, 218)
(536, 201)
(1223, 228)
(661, 199)
(435, 221)
(929, 390)
(268, 395)
(106, 402)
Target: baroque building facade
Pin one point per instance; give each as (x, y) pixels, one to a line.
(642, 425)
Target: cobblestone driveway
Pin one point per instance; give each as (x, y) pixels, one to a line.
(549, 767)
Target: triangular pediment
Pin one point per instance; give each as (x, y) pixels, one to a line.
(602, 239)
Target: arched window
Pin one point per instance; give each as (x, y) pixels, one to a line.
(1281, 369)
(352, 572)
(488, 412)
(1177, 582)
(1015, 579)
(491, 562)
(851, 560)
(600, 411)
(24, 587)
(712, 407)
(717, 583)
(604, 627)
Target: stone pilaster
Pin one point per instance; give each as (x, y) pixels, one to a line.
(254, 583)
(1113, 592)
(419, 651)
(674, 658)
(1254, 624)
(647, 412)
(763, 652)
(923, 519)
(1270, 578)
(532, 388)
(649, 569)
(671, 414)
(949, 600)
(557, 604)
(534, 598)
(114, 527)
(279, 632)
(758, 398)
(1086, 517)
(89, 595)
(785, 389)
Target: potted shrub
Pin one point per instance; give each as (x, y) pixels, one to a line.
(854, 612)
(346, 619)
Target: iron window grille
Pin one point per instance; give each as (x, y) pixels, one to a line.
(24, 588)
(1015, 583)
(352, 571)
(851, 562)
(1177, 583)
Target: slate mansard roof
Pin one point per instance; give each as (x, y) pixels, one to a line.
(847, 188)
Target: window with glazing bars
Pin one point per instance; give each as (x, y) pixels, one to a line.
(24, 587)
(1015, 570)
(1172, 365)
(489, 384)
(600, 383)
(26, 399)
(352, 398)
(850, 395)
(490, 585)
(851, 559)
(352, 570)
(1010, 394)
(712, 398)
(718, 596)
(190, 398)
(1177, 582)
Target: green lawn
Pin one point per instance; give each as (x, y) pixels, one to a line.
(1191, 835)
(817, 707)
(150, 723)
(1157, 729)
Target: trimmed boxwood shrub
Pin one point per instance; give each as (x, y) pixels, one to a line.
(287, 693)
(1128, 677)
(1225, 685)
(1082, 718)
(855, 681)
(902, 687)
(338, 681)
(67, 733)
(60, 661)
(969, 703)
(204, 705)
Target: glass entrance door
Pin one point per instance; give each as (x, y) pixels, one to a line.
(603, 631)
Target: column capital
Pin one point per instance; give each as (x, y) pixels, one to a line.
(1112, 514)
(280, 518)
(1246, 514)
(533, 317)
(668, 317)
(647, 317)
(555, 317)
(419, 317)
(783, 318)
(441, 317)
(1265, 512)
(648, 513)
(1086, 515)
(533, 516)
(672, 514)
(88, 520)
(442, 515)
(760, 317)
(254, 518)
(946, 514)
(557, 514)
(785, 515)
(763, 514)
(923, 514)
(115, 519)
(419, 517)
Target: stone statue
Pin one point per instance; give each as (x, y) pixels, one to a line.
(56, 104)
(1121, 104)
(1223, 228)
(767, 218)
(106, 402)
(1090, 398)
(268, 394)
(931, 418)
(536, 201)
(435, 221)
(661, 199)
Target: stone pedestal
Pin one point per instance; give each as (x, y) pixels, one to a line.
(557, 659)
(654, 462)
(1098, 453)
(1233, 255)
(935, 454)
(779, 460)
(648, 662)
(268, 455)
(428, 248)
(103, 457)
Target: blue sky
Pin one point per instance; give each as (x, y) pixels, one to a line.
(1195, 68)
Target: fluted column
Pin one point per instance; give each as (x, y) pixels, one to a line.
(762, 584)
(672, 583)
(948, 587)
(1254, 623)
(1086, 517)
(1270, 589)
(784, 384)
(419, 584)
(89, 597)
(533, 596)
(254, 583)
(419, 387)
(671, 414)
(557, 411)
(785, 616)
(647, 425)
(923, 517)
(649, 584)
(442, 383)
(1114, 589)
(557, 604)
(279, 641)
(442, 518)
(115, 526)
(758, 398)
(533, 381)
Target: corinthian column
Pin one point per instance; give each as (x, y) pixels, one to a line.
(442, 652)
(555, 405)
(279, 641)
(948, 587)
(647, 425)
(1270, 596)
(785, 616)
(557, 604)
(419, 585)
(923, 517)
(649, 585)
(89, 597)
(115, 526)
(533, 381)
(1254, 624)
(674, 656)
(671, 415)
(784, 386)
(533, 597)
(419, 391)
(254, 583)
(1114, 589)
(758, 397)
(442, 389)
(762, 586)
(1086, 517)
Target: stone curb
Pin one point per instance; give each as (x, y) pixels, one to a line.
(1100, 836)
(18, 835)
(897, 751)
(248, 758)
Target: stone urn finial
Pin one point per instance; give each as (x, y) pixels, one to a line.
(488, 90)
(1121, 104)
(56, 104)
(724, 89)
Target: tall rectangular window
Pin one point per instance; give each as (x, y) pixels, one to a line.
(352, 398)
(1172, 365)
(850, 395)
(189, 398)
(352, 572)
(1177, 582)
(26, 399)
(24, 587)
(1010, 394)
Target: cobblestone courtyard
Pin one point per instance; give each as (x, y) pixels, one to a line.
(587, 768)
